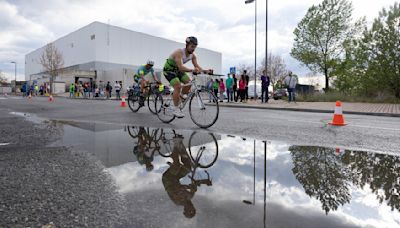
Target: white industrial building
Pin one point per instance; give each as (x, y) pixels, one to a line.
(100, 52)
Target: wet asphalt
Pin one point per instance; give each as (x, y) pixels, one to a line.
(46, 184)
(53, 186)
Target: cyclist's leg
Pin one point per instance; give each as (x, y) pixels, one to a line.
(175, 82)
(185, 79)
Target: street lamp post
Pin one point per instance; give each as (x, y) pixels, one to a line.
(15, 82)
(266, 37)
(255, 45)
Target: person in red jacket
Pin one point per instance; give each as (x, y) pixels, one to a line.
(242, 88)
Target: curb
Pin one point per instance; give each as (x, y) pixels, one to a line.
(311, 110)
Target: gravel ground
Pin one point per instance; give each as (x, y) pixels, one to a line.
(52, 186)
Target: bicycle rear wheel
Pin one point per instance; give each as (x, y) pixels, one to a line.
(163, 108)
(202, 115)
(203, 149)
(133, 102)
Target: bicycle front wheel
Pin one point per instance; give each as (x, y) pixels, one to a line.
(203, 115)
(203, 149)
(133, 102)
(163, 108)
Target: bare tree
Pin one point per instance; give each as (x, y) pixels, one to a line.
(276, 69)
(52, 62)
(248, 68)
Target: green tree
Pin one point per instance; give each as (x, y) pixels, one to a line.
(320, 35)
(384, 50)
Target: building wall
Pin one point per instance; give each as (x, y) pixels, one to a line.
(115, 48)
(76, 48)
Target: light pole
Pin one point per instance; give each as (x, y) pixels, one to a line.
(15, 82)
(255, 45)
(266, 37)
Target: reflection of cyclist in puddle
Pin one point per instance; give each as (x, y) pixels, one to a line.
(142, 151)
(181, 166)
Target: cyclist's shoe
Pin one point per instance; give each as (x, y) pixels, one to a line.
(178, 112)
(141, 101)
(184, 96)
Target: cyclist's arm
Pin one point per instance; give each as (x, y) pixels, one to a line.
(198, 67)
(179, 63)
(195, 64)
(155, 77)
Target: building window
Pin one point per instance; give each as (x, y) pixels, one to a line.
(92, 37)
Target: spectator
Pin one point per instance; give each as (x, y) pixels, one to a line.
(242, 88)
(291, 82)
(23, 90)
(71, 90)
(76, 90)
(235, 87)
(210, 88)
(117, 87)
(85, 90)
(215, 88)
(80, 89)
(36, 90)
(41, 90)
(229, 88)
(108, 90)
(265, 82)
(31, 90)
(221, 90)
(93, 86)
(247, 79)
(97, 92)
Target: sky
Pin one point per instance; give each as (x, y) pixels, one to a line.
(226, 26)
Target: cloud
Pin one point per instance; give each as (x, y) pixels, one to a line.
(225, 26)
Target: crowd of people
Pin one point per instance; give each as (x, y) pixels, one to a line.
(93, 90)
(35, 89)
(236, 87)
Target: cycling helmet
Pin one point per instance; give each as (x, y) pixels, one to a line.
(150, 62)
(191, 39)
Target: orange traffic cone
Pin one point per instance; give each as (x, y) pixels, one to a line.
(123, 102)
(51, 99)
(338, 119)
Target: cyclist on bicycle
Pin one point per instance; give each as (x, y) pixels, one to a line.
(176, 73)
(144, 75)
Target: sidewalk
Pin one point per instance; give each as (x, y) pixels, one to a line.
(66, 95)
(324, 107)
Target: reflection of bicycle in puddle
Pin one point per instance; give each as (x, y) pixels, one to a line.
(185, 163)
(203, 147)
(202, 153)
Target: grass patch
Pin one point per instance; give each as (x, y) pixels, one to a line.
(336, 96)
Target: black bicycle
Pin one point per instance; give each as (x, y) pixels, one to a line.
(135, 101)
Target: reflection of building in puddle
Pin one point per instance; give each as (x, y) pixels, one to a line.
(112, 144)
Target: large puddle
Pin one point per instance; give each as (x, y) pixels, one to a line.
(175, 178)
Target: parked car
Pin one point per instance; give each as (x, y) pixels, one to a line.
(279, 94)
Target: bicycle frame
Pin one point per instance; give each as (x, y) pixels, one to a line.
(193, 91)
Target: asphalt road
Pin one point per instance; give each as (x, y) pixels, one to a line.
(57, 186)
(371, 133)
